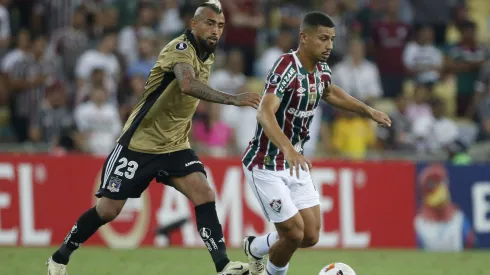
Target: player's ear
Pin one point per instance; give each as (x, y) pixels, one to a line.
(193, 23)
(302, 37)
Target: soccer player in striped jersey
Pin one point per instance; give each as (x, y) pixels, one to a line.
(274, 165)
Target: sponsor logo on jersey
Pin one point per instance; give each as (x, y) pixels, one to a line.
(192, 163)
(181, 46)
(301, 91)
(290, 74)
(300, 114)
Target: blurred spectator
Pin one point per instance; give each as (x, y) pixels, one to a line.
(232, 79)
(465, 59)
(422, 59)
(20, 52)
(130, 35)
(352, 135)
(481, 101)
(419, 107)
(53, 123)
(171, 22)
(342, 22)
(213, 136)
(435, 133)
(99, 122)
(146, 58)
(27, 80)
(137, 88)
(98, 79)
(292, 13)
(368, 16)
(6, 131)
(436, 13)
(4, 27)
(283, 43)
(356, 75)
(70, 43)
(389, 37)
(245, 19)
(102, 57)
(399, 135)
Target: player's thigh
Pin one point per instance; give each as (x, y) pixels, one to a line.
(126, 174)
(185, 172)
(272, 194)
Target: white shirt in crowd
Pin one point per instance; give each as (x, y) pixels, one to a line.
(433, 133)
(102, 124)
(128, 41)
(417, 56)
(170, 22)
(242, 120)
(4, 23)
(361, 82)
(267, 60)
(93, 59)
(11, 58)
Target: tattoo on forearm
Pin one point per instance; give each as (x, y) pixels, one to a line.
(193, 87)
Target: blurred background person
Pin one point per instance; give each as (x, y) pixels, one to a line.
(99, 122)
(356, 75)
(284, 42)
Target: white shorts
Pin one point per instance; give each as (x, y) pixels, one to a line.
(280, 194)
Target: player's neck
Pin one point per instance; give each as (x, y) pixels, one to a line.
(306, 61)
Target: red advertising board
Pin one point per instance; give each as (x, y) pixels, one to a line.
(364, 204)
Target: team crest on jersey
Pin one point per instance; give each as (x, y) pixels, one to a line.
(181, 46)
(321, 87)
(114, 184)
(274, 79)
(312, 98)
(276, 205)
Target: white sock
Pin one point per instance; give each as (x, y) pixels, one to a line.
(274, 270)
(260, 246)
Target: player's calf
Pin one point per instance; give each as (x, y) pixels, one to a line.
(87, 224)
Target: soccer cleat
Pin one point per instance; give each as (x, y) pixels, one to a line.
(235, 268)
(256, 265)
(55, 268)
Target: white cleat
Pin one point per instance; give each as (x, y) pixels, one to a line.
(55, 268)
(256, 265)
(235, 268)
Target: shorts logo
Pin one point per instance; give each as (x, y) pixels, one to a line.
(181, 46)
(274, 79)
(276, 205)
(114, 184)
(192, 163)
(205, 233)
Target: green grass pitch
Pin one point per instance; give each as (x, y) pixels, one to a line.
(146, 261)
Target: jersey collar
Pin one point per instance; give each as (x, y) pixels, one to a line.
(299, 66)
(192, 39)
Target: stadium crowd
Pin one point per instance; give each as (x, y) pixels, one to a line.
(72, 70)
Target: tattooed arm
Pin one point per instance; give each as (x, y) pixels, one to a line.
(192, 86)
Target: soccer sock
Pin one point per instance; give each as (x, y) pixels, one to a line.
(260, 246)
(84, 228)
(212, 234)
(274, 270)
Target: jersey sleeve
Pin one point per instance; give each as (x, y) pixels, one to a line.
(176, 52)
(280, 77)
(326, 74)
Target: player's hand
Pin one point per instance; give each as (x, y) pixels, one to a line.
(381, 118)
(247, 99)
(296, 161)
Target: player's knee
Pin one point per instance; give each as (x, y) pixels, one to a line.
(108, 211)
(206, 195)
(310, 239)
(292, 233)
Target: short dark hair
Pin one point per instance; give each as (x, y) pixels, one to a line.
(315, 19)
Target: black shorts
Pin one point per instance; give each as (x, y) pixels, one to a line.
(127, 173)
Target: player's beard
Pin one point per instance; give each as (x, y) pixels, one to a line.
(206, 46)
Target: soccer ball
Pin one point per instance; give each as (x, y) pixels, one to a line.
(337, 269)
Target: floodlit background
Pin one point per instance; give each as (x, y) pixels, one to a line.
(422, 184)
